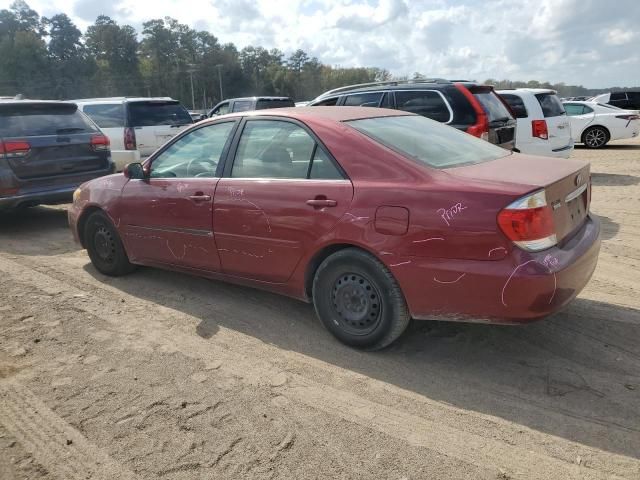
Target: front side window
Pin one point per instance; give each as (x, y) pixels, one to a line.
(363, 99)
(550, 104)
(106, 115)
(242, 106)
(279, 149)
(329, 102)
(196, 154)
(429, 104)
(158, 112)
(222, 109)
(516, 104)
(428, 142)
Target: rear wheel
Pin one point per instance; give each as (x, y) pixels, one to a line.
(105, 247)
(595, 137)
(358, 300)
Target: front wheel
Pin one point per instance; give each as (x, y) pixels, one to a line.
(105, 247)
(595, 137)
(359, 301)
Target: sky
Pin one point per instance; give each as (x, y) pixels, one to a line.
(580, 42)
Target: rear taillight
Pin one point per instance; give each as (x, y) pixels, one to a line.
(629, 117)
(539, 129)
(14, 149)
(99, 143)
(479, 129)
(130, 139)
(528, 222)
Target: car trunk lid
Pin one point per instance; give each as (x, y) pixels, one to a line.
(155, 122)
(566, 184)
(49, 139)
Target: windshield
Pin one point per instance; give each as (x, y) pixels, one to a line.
(147, 114)
(428, 141)
(30, 120)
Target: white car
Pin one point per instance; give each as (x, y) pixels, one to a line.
(595, 124)
(543, 127)
(136, 127)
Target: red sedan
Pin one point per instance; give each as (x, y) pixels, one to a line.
(376, 216)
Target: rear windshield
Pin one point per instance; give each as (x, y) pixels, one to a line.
(551, 104)
(429, 142)
(266, 103)
(30, 120)
(147, 114)
(106, 115)
(492, 105)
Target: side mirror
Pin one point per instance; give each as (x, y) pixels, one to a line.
(135, 171)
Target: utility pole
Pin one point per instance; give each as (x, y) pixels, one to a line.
(219, 66)
(192, 69)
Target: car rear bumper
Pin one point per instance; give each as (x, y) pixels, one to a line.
(522, 287)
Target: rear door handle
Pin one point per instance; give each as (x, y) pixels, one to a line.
(200, 197)
(322, 202)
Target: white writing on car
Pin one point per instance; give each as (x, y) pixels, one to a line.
(448, 214)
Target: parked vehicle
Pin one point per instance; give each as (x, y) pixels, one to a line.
(543, 127)
(250, 103)
(467, 106)
(595, 124)
(629, 100)
(357, 210)
(136, 127)
(47, 149)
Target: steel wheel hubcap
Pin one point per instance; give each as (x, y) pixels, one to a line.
(595, 138)
(104, 244)
(357, 303)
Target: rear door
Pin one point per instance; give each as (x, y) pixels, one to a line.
(155, 122)
(557, 122)
(54, 140)
(280, 195)
(580, 116)
(110, 117)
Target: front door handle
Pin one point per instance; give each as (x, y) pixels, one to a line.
(200, 197)
(322, 202)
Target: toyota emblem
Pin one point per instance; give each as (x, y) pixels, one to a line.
(578, 179)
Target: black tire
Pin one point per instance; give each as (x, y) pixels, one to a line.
(105, 247)
(595, 137)
(358, 300)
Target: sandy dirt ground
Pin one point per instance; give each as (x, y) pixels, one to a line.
(163, 376)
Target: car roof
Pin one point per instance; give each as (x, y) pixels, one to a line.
(392, 85)
(528, 90)
(337, 114)
(121, 99)
(35, 102)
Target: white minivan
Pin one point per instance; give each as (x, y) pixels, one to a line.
(136, 127)
(543, 127)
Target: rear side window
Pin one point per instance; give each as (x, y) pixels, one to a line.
(492, 105)
(265, 103)
(147, 114)
(551, 104)
(618, 96)
(428, 142)
(429, 104)
(106, 116)
(363, 100)
(242, 106)
(30, 120)
(516, 104)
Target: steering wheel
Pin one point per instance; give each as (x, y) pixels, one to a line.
(209, 166)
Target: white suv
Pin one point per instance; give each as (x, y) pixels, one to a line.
(136, 127)
(543, 127)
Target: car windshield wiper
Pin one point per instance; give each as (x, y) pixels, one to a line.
(69, 130)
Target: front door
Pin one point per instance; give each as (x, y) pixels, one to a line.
(281, 194)
(168, 217)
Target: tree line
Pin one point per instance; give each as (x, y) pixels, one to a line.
(51, 58)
